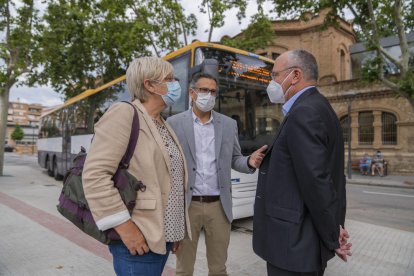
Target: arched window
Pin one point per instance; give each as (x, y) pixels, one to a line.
(342, 66)
(344, 125)
(389, 129)
(366, 128)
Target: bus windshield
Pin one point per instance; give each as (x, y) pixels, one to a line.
(242, 96)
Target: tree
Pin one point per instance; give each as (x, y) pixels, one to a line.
(80, 48)
(17, 134)
(216, 9)
(160, 23)
(257, 35)
(17, 23)
(87, 43)
(372, 21)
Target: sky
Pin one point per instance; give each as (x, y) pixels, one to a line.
(46, 96)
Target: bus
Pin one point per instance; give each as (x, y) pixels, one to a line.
(242, 81)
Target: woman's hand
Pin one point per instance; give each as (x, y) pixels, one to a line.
(132, 238)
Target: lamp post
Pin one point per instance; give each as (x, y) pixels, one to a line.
(349, 96)
(33, 125)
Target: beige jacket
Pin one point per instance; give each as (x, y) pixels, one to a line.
(150, 164)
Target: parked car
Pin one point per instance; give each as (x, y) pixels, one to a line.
(8, 148)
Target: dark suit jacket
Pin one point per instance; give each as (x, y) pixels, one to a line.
(300, 198)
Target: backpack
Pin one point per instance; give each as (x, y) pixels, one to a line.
(73, 204)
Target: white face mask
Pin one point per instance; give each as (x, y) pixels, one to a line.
(275, 91)
(205, 101)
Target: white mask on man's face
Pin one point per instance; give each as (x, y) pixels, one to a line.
(205, 101)
(275, 91)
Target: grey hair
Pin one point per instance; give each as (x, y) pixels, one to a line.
(198, 76)
(140, 69)
(305, 61)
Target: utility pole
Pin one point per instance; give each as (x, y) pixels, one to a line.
(349, 96)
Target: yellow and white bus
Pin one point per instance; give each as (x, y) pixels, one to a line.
(242, 79)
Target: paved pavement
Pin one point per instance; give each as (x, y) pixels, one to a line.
(400, 181)
(36, 240)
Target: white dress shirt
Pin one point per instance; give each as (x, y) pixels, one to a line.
(206, 183)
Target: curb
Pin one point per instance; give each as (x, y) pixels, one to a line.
(356, 182)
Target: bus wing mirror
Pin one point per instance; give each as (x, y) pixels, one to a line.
(208, 66)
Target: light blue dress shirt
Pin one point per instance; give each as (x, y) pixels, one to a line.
(206, 181)
(288, 105)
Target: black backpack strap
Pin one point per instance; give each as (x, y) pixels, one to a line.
(133, 139)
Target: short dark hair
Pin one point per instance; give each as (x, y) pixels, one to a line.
(307, 62)
(198, 76)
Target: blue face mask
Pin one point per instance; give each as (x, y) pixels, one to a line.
(173, 94)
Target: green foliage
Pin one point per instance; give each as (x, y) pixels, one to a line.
(16, 43)
(370, 70)
(216, 12)
(17, 133)
(407, 85)
(87, 43)
(257, 35)
(384, 12)
(81, 48)
(156, 24)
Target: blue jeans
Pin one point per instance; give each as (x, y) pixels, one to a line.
(149, 264)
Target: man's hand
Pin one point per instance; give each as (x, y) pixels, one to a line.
(176, 247)
(344, 249)
(132, 238)
(256, 157)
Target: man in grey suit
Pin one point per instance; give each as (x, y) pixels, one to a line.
(211, 147)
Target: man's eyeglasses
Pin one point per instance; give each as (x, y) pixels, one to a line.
(206, 90)
(275, 74)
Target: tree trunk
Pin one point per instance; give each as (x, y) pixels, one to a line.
(4, 107)
(210, 34)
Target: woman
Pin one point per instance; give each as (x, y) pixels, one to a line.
(159, 220)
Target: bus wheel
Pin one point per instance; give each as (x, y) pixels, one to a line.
(48, 167)
(56, 174)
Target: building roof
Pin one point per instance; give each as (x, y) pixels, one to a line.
(385, 42)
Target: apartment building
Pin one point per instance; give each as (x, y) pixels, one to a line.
(27, 116)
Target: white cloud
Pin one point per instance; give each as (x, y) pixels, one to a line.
(43, 95)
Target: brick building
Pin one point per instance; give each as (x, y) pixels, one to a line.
(380, 119)
(27, 116)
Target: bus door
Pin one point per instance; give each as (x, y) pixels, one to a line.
(66, 140)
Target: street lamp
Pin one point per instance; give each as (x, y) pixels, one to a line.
(349, 96)
(33, 125)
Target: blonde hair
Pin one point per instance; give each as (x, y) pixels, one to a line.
(140, 69)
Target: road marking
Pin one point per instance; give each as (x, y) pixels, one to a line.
(389, 194)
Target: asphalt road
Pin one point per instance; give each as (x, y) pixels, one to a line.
(390, 207)
(11, 158)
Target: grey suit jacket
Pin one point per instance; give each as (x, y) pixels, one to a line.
(228, 154)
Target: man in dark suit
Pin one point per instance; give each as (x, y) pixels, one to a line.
(300, 199)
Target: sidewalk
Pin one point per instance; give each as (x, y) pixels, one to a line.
(36, 240)
(400, 181)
